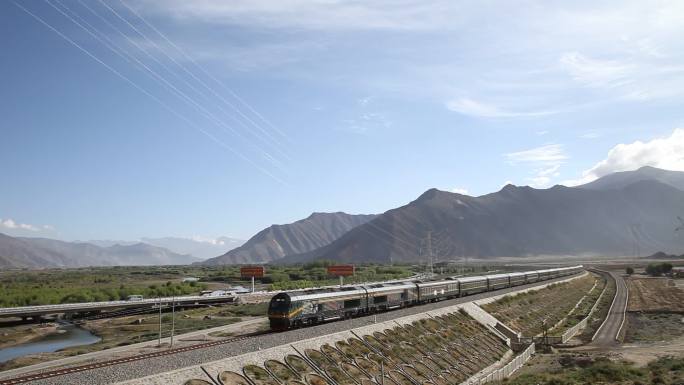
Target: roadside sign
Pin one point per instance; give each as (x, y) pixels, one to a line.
(252, 271)
(341, 270)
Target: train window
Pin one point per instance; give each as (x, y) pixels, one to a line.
(380, 299)
(351, 303)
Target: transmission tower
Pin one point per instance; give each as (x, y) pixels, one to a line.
(634, 228)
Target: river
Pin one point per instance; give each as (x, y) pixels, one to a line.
(68, 336)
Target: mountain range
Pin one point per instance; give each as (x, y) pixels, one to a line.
(34, 253)
(277, 241)
(620, 215)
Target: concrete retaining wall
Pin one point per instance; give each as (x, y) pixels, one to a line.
(506, 371)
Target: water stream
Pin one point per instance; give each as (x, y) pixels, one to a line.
(69, 335)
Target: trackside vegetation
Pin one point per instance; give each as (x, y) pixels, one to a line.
(55, 286)
(601, 370)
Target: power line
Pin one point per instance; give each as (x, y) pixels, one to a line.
(179, 93)
(209, 75)
(147, 93)
(181, 66)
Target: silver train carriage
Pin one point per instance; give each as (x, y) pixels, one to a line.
(298, 308)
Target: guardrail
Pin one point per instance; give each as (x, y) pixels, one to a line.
(506, 371)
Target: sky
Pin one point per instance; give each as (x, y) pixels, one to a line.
(124, 119)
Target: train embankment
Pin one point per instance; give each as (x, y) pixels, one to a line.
(554, 308)
(443, 348)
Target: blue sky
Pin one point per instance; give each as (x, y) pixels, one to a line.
(125, 119)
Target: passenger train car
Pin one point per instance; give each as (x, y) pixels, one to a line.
(297, 308)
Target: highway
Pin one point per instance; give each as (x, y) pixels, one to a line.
(609, 331)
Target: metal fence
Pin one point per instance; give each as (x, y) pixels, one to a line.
(506, 371)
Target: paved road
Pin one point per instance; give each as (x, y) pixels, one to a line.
(137, 369)
(607, 334)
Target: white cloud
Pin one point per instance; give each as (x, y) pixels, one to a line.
(459, 190)
(550, 153)
(472, 107)
(12, 225)
(666, 152)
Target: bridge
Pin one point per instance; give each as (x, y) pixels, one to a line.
(96, 307)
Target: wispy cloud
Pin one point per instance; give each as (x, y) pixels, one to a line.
(475, 108)
(546, 161)
(590, 135)
(594, 72)
(366, 122)
(459, 190)
(550, 153)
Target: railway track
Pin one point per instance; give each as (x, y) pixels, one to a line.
(138, 357)
(83, 368)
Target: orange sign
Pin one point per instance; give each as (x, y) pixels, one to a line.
(341, 270)
(252, 271)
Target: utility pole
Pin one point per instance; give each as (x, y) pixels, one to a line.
(160, 322)
(429, 247)
(173, 317)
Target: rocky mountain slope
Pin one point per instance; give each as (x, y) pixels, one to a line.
(276, 241)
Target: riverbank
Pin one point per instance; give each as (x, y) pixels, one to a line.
(23, 334)
(131, 330)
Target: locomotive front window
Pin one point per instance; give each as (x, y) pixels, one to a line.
(280, 304)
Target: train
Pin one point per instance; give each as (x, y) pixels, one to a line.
(295, 309)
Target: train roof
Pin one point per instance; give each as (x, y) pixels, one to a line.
(302, 296)
(472, 278)
(379, 288)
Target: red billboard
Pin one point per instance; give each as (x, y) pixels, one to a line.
(341, 270)
(252, 271)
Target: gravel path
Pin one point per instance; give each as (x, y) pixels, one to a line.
(137, 369)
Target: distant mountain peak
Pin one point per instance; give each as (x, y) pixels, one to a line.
(619, 180)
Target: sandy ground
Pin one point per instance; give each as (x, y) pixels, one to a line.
(641, 354)
(655, 294)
